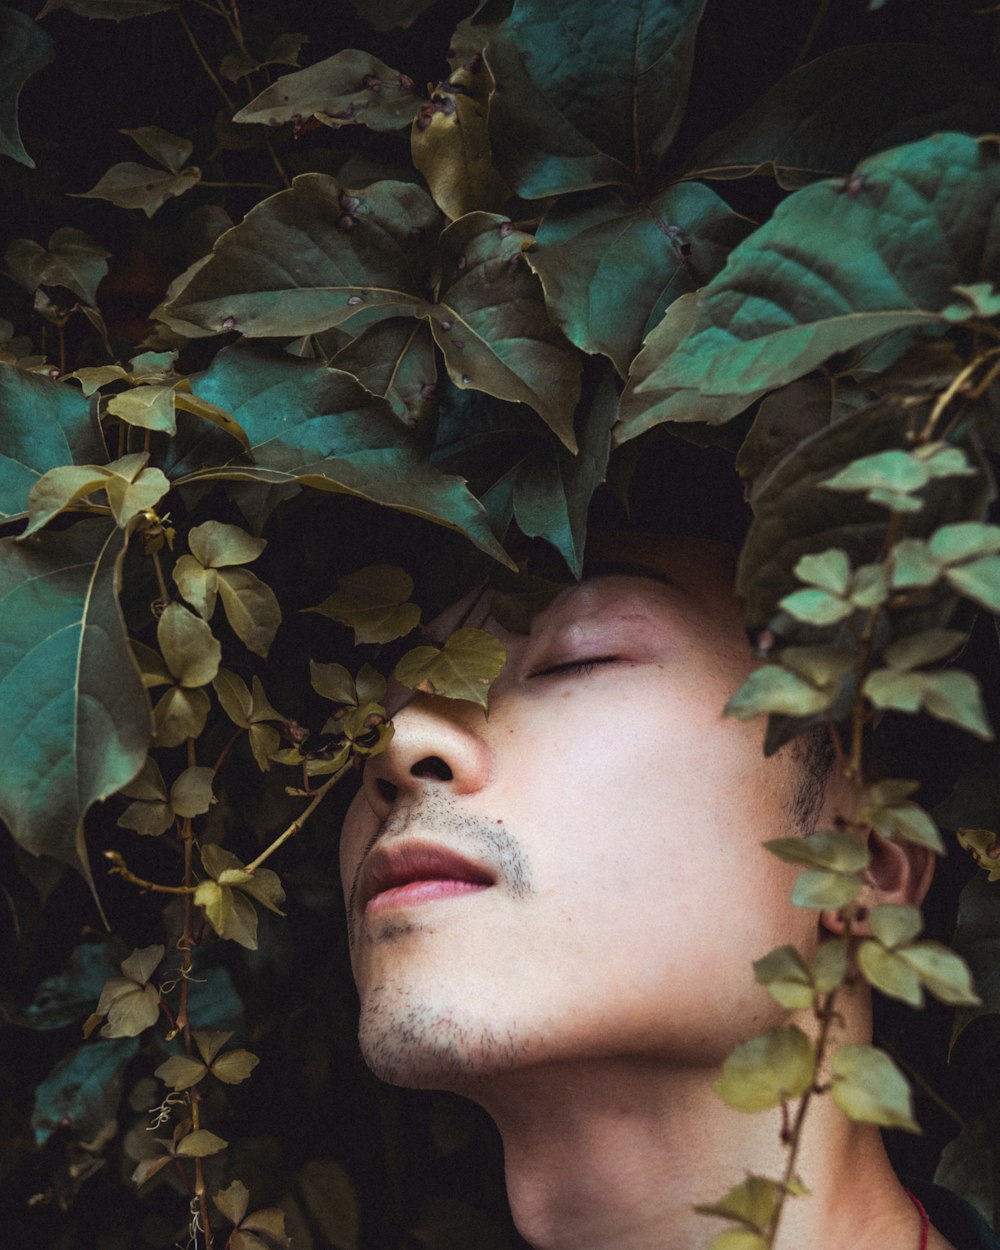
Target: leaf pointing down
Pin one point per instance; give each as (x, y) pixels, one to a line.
(80, 714)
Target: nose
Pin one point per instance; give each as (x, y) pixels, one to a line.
(436, 743)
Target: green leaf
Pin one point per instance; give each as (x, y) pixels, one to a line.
(191, 652)
(72, 260)
(180, 714)
(492, 326)
(170, 150)
(816, 607)
(903, 819)
(230, 913)
(766, 1070)
(830, 965)
(944, 973)
(979, 580)
(753, 1203)
(198, 585)
(149, 819)
(233, 1067)
(834, 849)
(913, 650)
(786, 976)
(773, 314)
(348, 88)
(913, 564)
(191, 794)
(313, 425)
(395, 360)
(374, 602)
(368, 270)
(63, 634)
(83, 1091)
(587, 96)
(827, 115)
(233, 1201)
(251, 607)
(333, 681)
(738, 1239)
(234, 696)
(181, 1071)
(947, 694)
(825, 890)
(59, 489)
(464, 668)
(773, 689)
(200, 1143)
(284, 50)
(148, 407)
(888, 971)
(963, 540)
(829, 570)
(46, 425)
(610, 266)
(26, 49)
(867, 1086)
(130, 185)
(131, 1008)
(886, 470)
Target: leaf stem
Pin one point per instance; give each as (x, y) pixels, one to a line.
(227, 748)
(297, 824)
(201, 57)
(818, 19)
(954, 386)
(161, 581)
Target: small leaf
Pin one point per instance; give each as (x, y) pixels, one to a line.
(833, 849)
(979, 580)
(867, 1086)
(191, 794)
(829, 570)
(889, 972)
(181, 1072)
(766, 1070)
(170, 150)
(944, 973)
(217, 545)
(786, 976)
(373, 601)
(146, 818)
(773, 689)
(198, 585)
(234, 696)
(913, 650)
(179, 715)
(753, 1203)
(830, 965)
(251, 608)
(825, 890)
(913, 564)
(72, 260)
(333, 681)
(148, 407)
(233, 1067)
(233, 1201)
(895, 924)
(191, 652)
(200, 1143)
(464, 668)
(961, 541)
(815, 607)
(129, 185)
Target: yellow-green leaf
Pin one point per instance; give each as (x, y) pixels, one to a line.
(251, 608)
(464, 668)
(762, 1072)
(179, 715)
(148, 407)
(191, 652)
(180, 1072)
(216, 545)
(200, 1143)
(374, 603)
(867, 1086)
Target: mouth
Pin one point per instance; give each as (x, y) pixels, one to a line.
(417, 872)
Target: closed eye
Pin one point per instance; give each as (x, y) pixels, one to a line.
(573, 668)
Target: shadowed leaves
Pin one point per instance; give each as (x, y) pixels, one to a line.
(464, 668)
(24, 49)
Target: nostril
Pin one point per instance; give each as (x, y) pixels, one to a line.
(387, 790)
(432, 766)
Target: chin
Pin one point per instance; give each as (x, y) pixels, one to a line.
(407, 1041)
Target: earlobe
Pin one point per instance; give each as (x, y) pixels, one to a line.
(897, 872)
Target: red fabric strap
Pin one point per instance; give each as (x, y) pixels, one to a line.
(924, 1221)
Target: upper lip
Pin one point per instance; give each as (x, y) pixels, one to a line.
(390, 866)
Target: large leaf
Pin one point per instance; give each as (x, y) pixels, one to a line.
(83, 1090)
(24, 49)
(394, 359)
(833, 112)
(312, 257)
(43, 425)
(490, 321)
(914, 222)
(311, 424)
(83, 722)
(587, 94)
(348, 88)
(610, 266)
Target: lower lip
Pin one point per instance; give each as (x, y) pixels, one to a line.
(415, 892)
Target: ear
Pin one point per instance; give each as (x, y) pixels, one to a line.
(898, 872)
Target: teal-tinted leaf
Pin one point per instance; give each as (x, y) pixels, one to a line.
(830, 570)
(611, 266)
(83, 1090)
(888, 971)
(552, 488)
(348, 88)
(394, 359)
(26, 48)
(62, 635)
(948, 694)
(832, 112)
(766, 1070)
(70, 993)
(294, 266)
(587, 96)
(825, 890)
(374, 602)
(829, 848)
(492, 326)
(913, 564)
(131, 185)
(963, 540)
(867, 1086)
(72, 260)
(311, 424)
(251, 607)
(823, 666)
(772, 689)
(816, 607)
(43, 425)
(912, 650)
(979, 580)
(774, 313)
(888, 470)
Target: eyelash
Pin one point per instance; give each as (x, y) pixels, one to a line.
(573, 668)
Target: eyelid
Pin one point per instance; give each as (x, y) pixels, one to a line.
(583, 665)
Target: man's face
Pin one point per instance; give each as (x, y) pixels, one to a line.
(579, 875)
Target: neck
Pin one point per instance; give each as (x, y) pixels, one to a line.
(612, 1155)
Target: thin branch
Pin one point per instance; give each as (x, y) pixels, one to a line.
(204, 64)
(818, 18)
(297, 824)
(120, 870)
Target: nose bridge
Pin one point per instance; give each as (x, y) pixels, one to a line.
(435, 741)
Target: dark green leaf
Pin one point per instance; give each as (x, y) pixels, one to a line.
(374, 602)
(72, 260)
(83, 1090)
(394, 359)
(170, 150)
(311, 424)
(191, 794)
(825, 117)
(200, 1143)
(294, 265)
(180, 714)
(130, 185)
(24, 49)
(775, 312)
(587, 96)
(348, 88)
(610, 266)
(491, 323)
(63, 635)
(43, 425)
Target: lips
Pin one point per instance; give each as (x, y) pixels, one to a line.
(417, 872)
